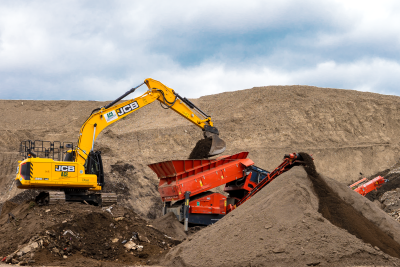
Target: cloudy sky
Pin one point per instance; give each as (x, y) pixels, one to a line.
(97, 50)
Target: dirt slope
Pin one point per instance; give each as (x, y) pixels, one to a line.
(348, 133)
(282, 226)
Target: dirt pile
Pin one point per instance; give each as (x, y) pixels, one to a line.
(65, 233)
(170, 225)
(343, 215)
(282, 226)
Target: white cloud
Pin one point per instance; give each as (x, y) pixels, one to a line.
(98, 50)
(367, 75)
(366, 22)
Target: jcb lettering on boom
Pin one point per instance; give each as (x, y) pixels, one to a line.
(127, 108)
(63, 168)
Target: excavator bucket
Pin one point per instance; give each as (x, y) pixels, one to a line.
(217, 146)
(209, 146)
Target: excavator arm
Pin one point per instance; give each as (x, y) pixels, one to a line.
(107, 115)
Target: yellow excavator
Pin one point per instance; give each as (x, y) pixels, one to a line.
(76, 174)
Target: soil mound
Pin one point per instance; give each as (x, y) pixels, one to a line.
(25, 195)
(80, 231)
(6, 207)
(282, 226)
(170, 225)
(122, 168)
(343, 215)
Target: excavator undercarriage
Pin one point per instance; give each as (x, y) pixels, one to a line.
(60, 197)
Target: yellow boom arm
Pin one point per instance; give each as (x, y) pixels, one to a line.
(111, 113)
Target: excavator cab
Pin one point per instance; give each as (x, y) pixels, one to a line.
(94, 165)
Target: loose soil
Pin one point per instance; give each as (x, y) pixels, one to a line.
(202, 149)
(390, 201)
(170, 225)
(282, 225)
(343, 215)
(81, 230)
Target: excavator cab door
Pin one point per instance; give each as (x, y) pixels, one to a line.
(94, 165)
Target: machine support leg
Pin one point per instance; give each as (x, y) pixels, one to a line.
(186, 210)
(166, 205)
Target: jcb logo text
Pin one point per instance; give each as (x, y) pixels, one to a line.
(62, 168)
(127, 108)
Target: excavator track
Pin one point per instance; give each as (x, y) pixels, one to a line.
(56, 197)
(108, 199)
(50, 198)
(59, 197)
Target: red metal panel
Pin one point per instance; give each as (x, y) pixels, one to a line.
(197, 176)
(358, 182)
(370, 186)
(164, 169)
(210, 204)
(191, 167)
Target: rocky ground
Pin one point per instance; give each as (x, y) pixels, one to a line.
(50, 234)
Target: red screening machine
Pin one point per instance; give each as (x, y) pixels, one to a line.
(185, 185)
(363, 186)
